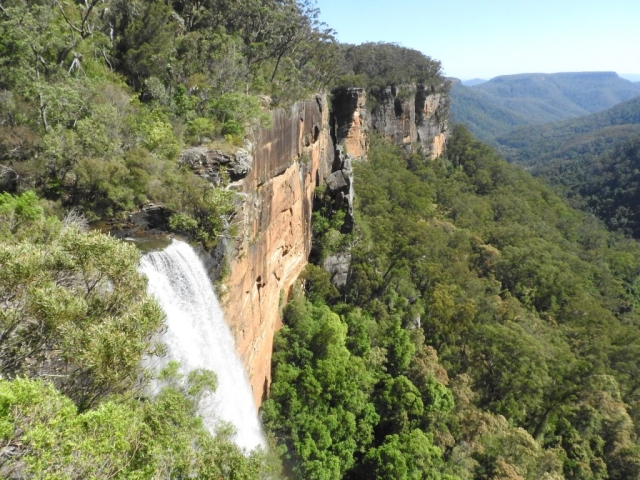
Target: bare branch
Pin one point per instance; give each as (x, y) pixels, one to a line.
(66, 19)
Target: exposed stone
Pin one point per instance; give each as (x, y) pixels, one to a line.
(350, 121)
(347, 172)
(412, 114)
(210, 164)
(300, 152)
(432, 115)
(338, 266)
(337, 182)
(242, 164)
(394, 116)
(151, 217)
(274, 229)
(10, 467)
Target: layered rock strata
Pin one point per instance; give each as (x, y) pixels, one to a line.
(413, 114)
(274, 222)
(307, 146)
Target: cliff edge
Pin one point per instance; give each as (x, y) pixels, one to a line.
(310, 145)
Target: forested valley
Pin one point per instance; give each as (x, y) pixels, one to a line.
(487, 330)
(592, 160)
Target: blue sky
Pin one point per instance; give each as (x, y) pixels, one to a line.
(486, 38)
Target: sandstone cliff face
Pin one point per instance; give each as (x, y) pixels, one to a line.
(308, 146)
(350, 121)
(412, 114)
(274, 241)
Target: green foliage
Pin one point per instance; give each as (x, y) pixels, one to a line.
(323, 389)
(124, 439)
(73, 308)
(327, 224)
(75, 323)
(237, 111)
(531, 306)
(318, 284)
(408, 456)
(199, 129)
(573, 141)
(591, 160)
(17, 212)
(383, 64)
(98, 98)
(494, 108)
(208, 210)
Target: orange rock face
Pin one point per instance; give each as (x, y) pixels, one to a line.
(412, 114)
(354, 136)
(290, 160)
(274, 241)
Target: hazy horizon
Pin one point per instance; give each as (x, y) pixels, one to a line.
(632, 77)
(498, 37)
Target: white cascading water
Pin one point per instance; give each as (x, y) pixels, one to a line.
(198, 337)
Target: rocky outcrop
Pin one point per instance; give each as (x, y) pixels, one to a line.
(274, 229)
(412, 114)
(338, 267)
(151, 217)
(217, 165)
(350, 121)
(309, 145)
(432, 119)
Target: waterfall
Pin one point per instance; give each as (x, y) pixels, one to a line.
(198, 337)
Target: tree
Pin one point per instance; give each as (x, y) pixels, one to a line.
(72, 308)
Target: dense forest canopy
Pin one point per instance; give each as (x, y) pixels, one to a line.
(99, 97)
(580, 138)
(97, 100)
(487, 329)
(593, 160)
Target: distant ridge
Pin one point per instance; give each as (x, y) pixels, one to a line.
(473, 82)
(578, 138)
(632, 77)
(495, 107)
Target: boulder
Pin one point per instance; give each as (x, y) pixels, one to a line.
(151, 217)
(338, 266)
(337, 182)
(212, 165)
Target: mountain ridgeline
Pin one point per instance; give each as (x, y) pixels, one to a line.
(591, 159)
(584, 137)
(458, 320)
(495, 107)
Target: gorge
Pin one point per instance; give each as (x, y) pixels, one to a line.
(402, 310)
(308, 143)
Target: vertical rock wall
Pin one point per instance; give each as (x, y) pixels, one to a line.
(307, 146)
(350, 121)
(274, 238)
(412, 114)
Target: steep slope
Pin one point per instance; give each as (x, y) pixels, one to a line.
(495, 107)
(308, 146)
(579, 139)
(593, 160)
(607, 185)
(528, 303)
(481, 114)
